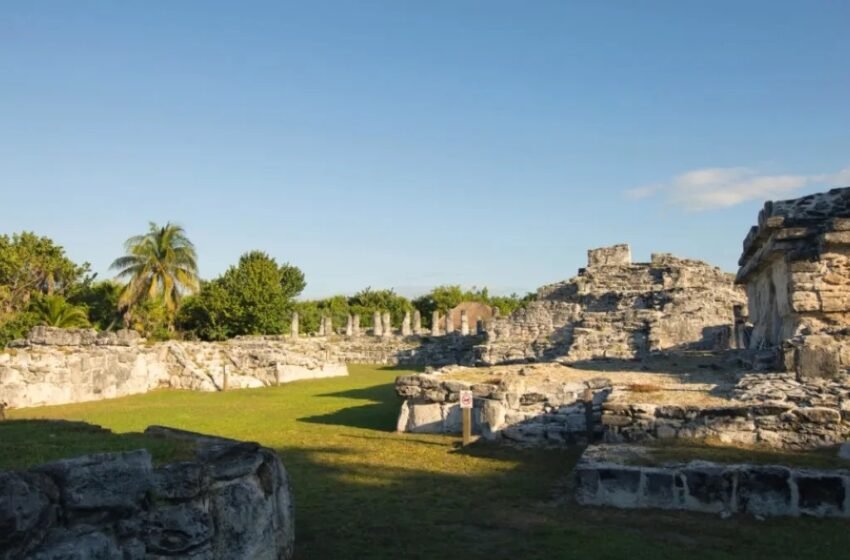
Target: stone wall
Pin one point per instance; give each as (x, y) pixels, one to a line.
(57, 366)
(767, 409)
(615, 308)
(233, 500)
(536, 412)
(796, 268)
(604, 477)
(773, 410)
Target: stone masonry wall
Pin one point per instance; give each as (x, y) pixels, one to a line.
(233, 500)
(57, 366)
(539, 412)
(796, 268)
(618, 309)
(604, 478)
(773, 410)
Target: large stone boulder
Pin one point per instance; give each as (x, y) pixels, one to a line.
(233, 500)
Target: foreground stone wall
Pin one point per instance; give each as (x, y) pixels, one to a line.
(615, 308)
(233, 500)
(603, 478)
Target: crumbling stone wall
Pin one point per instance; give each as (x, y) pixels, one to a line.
(773, 410)
(615, 308)
(57, 366)
(233, 500)
(538, 412)
(605, 477)
(796, 268)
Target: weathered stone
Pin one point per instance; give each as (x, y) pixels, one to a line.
(388, 324)
(619, 309)
(113, 482)
(293, 325)
(377, 324)
(74, 509)
(27, 511)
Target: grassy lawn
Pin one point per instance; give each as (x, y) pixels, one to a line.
(364, 492)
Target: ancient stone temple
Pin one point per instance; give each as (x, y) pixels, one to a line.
(796, 268)
(617, 308)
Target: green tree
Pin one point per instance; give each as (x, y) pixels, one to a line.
(367, 301)
(253, 297)
(210, 314)
(101, 300)
(31, 265)
(160, 265)
(55, 311)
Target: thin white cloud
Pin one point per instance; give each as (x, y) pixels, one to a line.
(721, 187)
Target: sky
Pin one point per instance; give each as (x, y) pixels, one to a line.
(405, 144)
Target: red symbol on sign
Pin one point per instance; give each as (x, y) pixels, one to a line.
(466, 399)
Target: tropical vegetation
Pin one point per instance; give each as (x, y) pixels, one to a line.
(160, 265)
(158, 292)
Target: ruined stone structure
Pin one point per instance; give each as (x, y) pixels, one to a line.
(616, 308)
(618, 476)
(233, 500)
(796, 268)
(475, 311)
(56, 366)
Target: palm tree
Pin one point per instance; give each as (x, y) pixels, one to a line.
(54, 311)
(159, 265)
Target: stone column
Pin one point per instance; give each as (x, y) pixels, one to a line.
(377, 329)
(388, 324)
(329, 325)
(496, 312)
(293, 326)
(322, 325)
(355, 325)
(405, 324)
(464, 323)
(450, 327)
(435, 323)
(349, 326)
(417, 322)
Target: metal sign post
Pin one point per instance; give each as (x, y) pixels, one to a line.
(466, 407)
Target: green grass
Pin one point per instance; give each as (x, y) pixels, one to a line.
(683, 451)
(364, 492)
(29, 442)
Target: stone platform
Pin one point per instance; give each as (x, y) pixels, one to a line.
(613, 475)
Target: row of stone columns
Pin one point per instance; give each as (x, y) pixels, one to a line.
(411, 324)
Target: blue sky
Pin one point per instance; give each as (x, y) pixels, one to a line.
(406, 144)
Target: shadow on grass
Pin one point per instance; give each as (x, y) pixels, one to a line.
(459, 504)
(380, 415)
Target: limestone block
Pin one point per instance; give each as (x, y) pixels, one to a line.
(818, 362)
(426, 418)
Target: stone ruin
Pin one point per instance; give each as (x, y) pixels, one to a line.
(618, 309)
(796, 268)
(230, 500)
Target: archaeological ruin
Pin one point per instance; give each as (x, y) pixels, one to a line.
(620, 357)
(615, 308)
(796, 268)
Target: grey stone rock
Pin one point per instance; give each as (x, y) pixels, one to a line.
(116, 483)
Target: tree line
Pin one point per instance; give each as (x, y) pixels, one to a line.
(158, 292)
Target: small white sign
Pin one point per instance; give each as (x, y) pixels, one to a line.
(466, 399)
